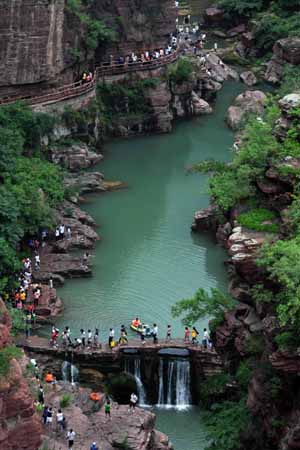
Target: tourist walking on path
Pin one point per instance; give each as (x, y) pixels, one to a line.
(107, 409)
(155, 333)
(123, 335)
(206, 338)
(71, 436)
(60, 419)
(82, 337)
(133, 401)
(169, 330)
(111, 342)
(49, 417)
(194, 335)
(186, 334)
(41, 395)
(143, 334)
(45, 414)
(96, 338)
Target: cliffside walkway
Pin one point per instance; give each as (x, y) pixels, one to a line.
(77, 89)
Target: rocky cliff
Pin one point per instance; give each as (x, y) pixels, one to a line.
(19, 426)
(42, 43)
(249, 332)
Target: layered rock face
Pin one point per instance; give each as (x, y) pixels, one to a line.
(19, 426)
(38, 39)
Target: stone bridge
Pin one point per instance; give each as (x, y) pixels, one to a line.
(77, 90)
(104, 361)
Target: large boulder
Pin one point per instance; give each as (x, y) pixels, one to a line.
(288, 49)
(247, 102)
(274, 71)
(289, 102)
(217, 70)
(234, 117)
(213, 15)
(74, 157)
(199, 105)
(248, 78)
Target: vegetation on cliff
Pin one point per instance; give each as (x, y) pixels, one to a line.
(271, 20)
(30, 187)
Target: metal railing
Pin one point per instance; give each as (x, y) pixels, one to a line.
(79, 88)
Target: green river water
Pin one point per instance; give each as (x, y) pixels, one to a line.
(148, 258)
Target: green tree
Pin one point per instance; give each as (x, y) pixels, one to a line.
(203, 304)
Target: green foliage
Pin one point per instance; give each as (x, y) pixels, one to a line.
(254, 344)
(28, 126)
(203, 304)
(237, 181)
(270, 27)
(259, 220)
(282, 261)
(125, 99)
(214, 386)
(65, 401)
(18, 321)
(290, 80)
(29, 186)
(181, 71)
(97, 31)
(241, 7)
(225, 424)
(275, 386)
(6, 355)
(287, 340)
(243, 375)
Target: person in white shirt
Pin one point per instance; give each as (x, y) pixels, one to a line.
(111, 337)
(133, 401)
(71, 436)
(60, 419)
(61, 231)
(206, 338)
(155, 333)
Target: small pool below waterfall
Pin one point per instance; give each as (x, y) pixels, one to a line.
(184, 428)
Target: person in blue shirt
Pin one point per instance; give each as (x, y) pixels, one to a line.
(94, 446)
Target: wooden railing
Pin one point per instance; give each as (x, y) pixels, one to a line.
(75, 89)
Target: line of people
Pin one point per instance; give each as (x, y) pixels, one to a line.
(91, 340)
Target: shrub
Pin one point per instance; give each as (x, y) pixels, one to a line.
(243, 375)
(213, 386)
(181, 71)
(254, 344)
(240, 7)
(225, 424)
(256, 220)
(288, 340)
(6, 355)
(65, 400)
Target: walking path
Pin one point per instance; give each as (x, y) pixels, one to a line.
(39, 344)
(101, 71)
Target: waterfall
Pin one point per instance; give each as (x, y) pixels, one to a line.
(135, 370)
(64, 370)
(174, 384)
(161, 383)
(69, 372)
(139, 384)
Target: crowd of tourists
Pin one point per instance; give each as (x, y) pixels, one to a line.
(27, 292)
(89, 340)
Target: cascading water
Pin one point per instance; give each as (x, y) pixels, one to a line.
(135, 370)
(174, 389)
(69, 372)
